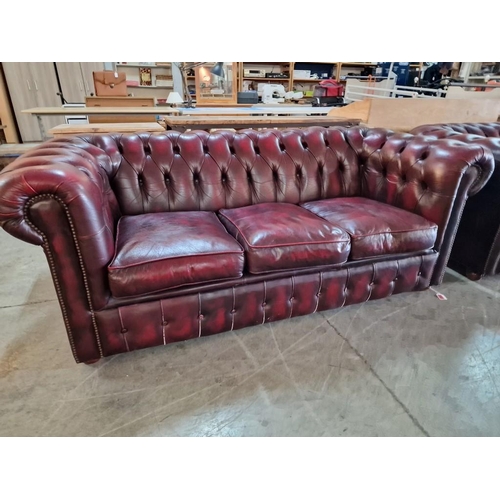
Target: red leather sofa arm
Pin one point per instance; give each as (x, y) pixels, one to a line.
(441, 130)
(424, 175)
(414, 172)
(50, 186)
(486, 135)
(58, 196)
(476, 251)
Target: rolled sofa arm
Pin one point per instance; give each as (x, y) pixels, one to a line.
(483, 134)
(485, 207)
(58, 196)
(427, 176)
(442, 130)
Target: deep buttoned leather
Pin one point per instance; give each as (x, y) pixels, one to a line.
(199, 314)
(69, 194)
(476, 250)
(441, 130)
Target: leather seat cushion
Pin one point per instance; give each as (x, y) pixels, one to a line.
(279, 236)
(376, 228)
(158, 251)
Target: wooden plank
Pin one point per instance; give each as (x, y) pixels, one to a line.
(359, 110)
(9, 152)
(120, 102)
(165, 110)
(186, 120)
(237, 122)
(101, 111)
(89, 128)
(14, 150)
(6, 113)
(405, 114)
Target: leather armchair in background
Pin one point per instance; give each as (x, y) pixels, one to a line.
(476, 251)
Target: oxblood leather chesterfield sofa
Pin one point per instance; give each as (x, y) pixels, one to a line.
(476, 251)
(153, 239)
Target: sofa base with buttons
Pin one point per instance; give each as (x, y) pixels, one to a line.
(476, 251)
(158, 238)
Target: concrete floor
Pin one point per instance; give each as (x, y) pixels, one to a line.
(410, 365)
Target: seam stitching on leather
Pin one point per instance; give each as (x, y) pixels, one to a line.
(400, 231)
(187, 256)
(447, 256)
(250, 245)
(54, 274)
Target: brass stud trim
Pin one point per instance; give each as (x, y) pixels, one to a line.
(50, 258)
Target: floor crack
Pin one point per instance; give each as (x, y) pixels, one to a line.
(377, 376)
(28, 303)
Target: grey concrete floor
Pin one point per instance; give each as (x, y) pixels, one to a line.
(410, 365)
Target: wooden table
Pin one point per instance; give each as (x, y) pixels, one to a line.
(83, 111)
(183, 123)
(259, 110)
(102, 128)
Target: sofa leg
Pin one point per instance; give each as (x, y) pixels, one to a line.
(472, 275)
(91, 361)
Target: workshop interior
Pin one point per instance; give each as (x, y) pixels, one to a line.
(252, 249)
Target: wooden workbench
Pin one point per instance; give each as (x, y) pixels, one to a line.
(262, 110)
(183, 123)
(98, 110)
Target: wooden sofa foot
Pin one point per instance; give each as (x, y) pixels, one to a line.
(91, 361)
(473, 276)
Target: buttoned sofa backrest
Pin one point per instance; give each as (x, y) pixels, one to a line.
(70, 192)
(172, 171)
(210, 171)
